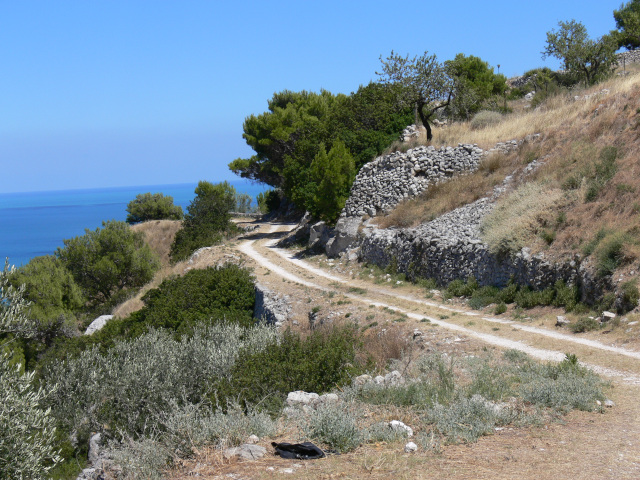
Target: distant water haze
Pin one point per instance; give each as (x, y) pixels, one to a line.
(36, 223)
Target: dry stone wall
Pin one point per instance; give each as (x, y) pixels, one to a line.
(450, 248)
(383, 183)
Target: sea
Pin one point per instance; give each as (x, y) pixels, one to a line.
(37, 223)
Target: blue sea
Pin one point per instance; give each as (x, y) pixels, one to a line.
(36, 223)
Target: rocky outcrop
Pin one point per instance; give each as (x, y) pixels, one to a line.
(98, 324)
(270, 307)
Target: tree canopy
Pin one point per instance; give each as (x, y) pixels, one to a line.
(474, 83)
(628, 24)
(147, 206)
(290, 134)
(590, 59)
(208, 218)
(108, 259)
(423, 81)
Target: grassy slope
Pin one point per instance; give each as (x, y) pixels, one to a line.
(573, 134)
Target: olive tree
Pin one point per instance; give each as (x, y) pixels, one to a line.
(27, 431)
(425, 84)
(590, 59)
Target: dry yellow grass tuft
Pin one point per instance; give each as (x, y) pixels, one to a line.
(159, 234)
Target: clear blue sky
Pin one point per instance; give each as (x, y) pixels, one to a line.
(115, 93)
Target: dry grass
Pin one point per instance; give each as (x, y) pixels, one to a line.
(159, 235)
(573, 134)
(446, 196)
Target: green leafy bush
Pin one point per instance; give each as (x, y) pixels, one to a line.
(610, 253)
(54, 296)
(584, 324)
(148, 206)
(207, 220)
(335, 425)
(317, 363)
(27, 430)
(127, 385)
(269, 201)
(108, 260)
(214, 293)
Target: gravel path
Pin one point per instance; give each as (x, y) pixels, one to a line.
(251, 248)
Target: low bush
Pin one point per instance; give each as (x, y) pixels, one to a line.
(485, 119)
(584, 324)
(128, 384)
(326, 359)
(148, 206)
(336, 426)
(610, 253)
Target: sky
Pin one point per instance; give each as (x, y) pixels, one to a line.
(146, 92)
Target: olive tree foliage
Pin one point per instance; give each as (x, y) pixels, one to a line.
(108, 260)
(208, 218)
(592, 60)
(628, 25)
(156, 206)
(426, 86)
(127, 386)
(27, 431)
(13, 306)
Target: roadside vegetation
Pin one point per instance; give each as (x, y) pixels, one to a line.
(190, 366)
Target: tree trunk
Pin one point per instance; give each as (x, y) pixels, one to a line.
(425, 121)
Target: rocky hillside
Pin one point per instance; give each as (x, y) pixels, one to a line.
(546, 194)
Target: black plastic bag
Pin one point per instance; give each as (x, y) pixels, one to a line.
(300, 451)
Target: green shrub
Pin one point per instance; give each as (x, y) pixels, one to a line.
(584, 324)
(317, 363)
(500, 309)
(108, 260)
(147, 206)
(126, 386)
(27, 429)
(336, 426)
(610, 253)
(630, 295)
(484, 119)
(459, 288)
(566, 295)
(467, 419)
(269, 201)
(207, 220)
(214, 293)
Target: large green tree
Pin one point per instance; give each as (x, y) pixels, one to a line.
(332, 173)
(628, 25)
(474, 83)
(424, 83)
(108, 260)
(288, 137)
(208, 218)
(156, 206)
(591, 59)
